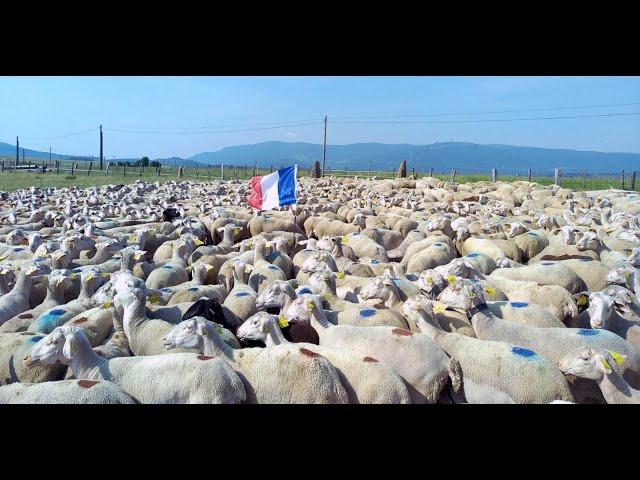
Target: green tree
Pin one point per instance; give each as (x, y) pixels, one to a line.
(144, 161)
(154, 163)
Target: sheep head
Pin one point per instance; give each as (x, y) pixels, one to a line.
(59, 346)
(592, 363)
(275, 295)
(189, 334)
(463, 295)
(257, 327)
(601, 308)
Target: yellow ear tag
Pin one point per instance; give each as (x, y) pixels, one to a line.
(627, 274)
(153, 298)
(490, 290)
(106, 304)
(310, 305)
(283, 322)
(617, 357)
(345, 240)
(451, 279)
(198, 242)
(326, 297)
(91, 333)
(439, 307)
(248, 268)
(4, 271)
(218, 329)
(605, 364)
(74, 275)
(341, 275)
(132, 238)
(268, 244)
(105, 275)
(582, 300)
(429, 280)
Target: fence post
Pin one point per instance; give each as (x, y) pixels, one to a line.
(73, 164)
(529, 176)
(494, 175)
(271, 168)
(3, 165)
(89, 171)
(57, 167)
(584, 180)
(622, 179)
(453, 175)
(124, 169)
(557, 177)
(431, 172)
(235, 172)
(222, 172)
(633, 180)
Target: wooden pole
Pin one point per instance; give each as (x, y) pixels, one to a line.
(633, 180)
(17, 150)
(49, 156)
(23, 156)
(622, 179)
(529, 175)
(453, 175)
(101, 150)
(584, 180)
(556, 177)
(431, 172)
(124, 169)
(494, 175)
(222, 171)
(89, 171)
(324, 145)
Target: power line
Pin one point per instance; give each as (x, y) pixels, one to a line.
(489, 120)
(143, 130)
(317, 122)
(488, 112)
(63, 136)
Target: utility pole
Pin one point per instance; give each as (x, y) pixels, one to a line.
(17, 150)
(49, 155)
(23, 155)
(101, 156)
(324, 146)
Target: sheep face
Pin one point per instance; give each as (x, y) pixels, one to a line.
(430, 280)
(568, 235)
(380, 288)
(601, 308)
(49, 349)
(463, 295)
(187, 334)
(321, 280)
(591, 363)
(618, 276)
(634, 258)
(516, 229)
(589, 241)
(256, 327)
(274, 295)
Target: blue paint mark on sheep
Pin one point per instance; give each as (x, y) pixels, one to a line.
(35, 339)
(168, 267)
(18, 249)
(273, 267)
(375, 262)
(523, 352)
(168, 290)
(367, 313)
(473, 255)
(546, 263)
(437, 244)
(519, 304)
(272, 256)
(585, 332)
(532, 234)
(192, 289)
(242, 294)
(49, 321)
(305, 290)
(77, 270)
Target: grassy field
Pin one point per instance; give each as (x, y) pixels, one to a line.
(11, 180)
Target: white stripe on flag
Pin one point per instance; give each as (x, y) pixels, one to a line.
(269, 186)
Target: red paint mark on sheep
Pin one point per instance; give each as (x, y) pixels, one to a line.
(370, 359)
(204, 357)
(402, 332)
(25, 315)
(380, 306)
(87, 383)
(309, 353)
(80, 320)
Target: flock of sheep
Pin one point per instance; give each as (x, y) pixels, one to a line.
(366, 291)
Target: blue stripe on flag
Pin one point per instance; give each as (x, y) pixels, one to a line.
(287, 186)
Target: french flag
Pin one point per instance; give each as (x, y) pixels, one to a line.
(274, 190)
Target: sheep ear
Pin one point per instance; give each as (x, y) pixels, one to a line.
(618, 358)
(604, 365)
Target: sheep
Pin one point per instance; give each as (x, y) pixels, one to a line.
(603, 367)
(282, 374)
(366, 380)
(17, 300)
(13, 346)
(263, 273)
(56, 316)
(493, 372)
(64, 392)
(240, 304)
(602, 315)
(544, 273)
(423, 365)
(550, 342)
(176, 378)
(173, 272)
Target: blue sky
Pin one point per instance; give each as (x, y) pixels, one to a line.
(38, 108)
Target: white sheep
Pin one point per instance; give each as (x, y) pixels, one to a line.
(176, 378)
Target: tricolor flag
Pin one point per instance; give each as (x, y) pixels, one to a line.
(274, 190)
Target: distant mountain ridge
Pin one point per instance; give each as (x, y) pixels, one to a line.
(441, 156)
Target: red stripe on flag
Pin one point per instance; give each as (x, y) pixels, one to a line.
(255, 199)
